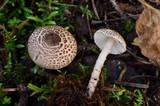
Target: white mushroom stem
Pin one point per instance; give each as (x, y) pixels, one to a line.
(98, 66)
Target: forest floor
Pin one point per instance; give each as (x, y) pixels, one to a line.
(128, 79)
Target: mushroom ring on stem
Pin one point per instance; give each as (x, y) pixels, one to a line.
(52, 47)
(110, 42)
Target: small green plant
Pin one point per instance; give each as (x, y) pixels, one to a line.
(13, 33)
(119, 95)
(127, 96)
(128, 27)
(43, 91)
(84, 69)
(140, 99)
(85, 11)
(82, 72)
(4, 99)
(62, 72)
(8, 67)
(51, 12)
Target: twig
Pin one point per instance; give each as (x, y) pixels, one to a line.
(150, 100)
(89, 28)
(105, 17)
(108, 89)
(134, 16)
(138, 58)
(9, 89)
(145, 76)
(116, 89)
(94, 9)
(122, 74)
(32, 4)
(1, 73)
(147, 5)
(20, 25)
(74, 11)
(93, 22)
(23, 91)
(116, 7)
(136, 85)
(5, 2)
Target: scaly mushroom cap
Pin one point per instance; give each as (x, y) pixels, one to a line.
(52, 47)
(101, 36)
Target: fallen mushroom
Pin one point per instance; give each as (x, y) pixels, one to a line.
(110, 42)
(52, 47)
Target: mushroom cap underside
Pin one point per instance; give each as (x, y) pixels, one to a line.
(52, 47)
(102, 35)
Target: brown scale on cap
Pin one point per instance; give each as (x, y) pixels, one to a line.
(52, 47)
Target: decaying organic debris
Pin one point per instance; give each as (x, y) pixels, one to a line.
(148, 30)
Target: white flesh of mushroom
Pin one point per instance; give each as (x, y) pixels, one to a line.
(110, 42)
(98, 66)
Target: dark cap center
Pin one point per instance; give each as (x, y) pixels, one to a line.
(52, 39)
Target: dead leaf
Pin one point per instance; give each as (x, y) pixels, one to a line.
(155, 1)
(148, 30)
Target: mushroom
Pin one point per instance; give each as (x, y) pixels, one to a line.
(52, 47)
(110, 42)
